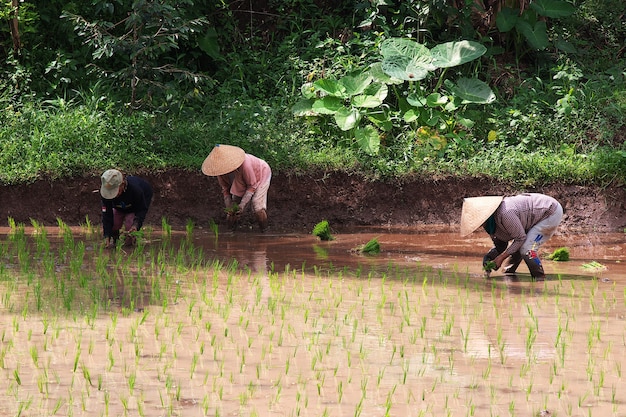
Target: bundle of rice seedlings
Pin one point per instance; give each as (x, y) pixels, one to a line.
(232, 209)
(489, 266)
(322, 230)
(560, 255)
(370, 248)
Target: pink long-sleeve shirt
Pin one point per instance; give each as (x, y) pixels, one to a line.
(252, 173)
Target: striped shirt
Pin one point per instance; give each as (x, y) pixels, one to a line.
(517, 215)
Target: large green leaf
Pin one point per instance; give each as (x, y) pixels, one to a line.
(355, 84)
(330, 87)
(451, 54)
(405, 59)
(416, 100)
(308, 90)
(506, 19)
(373, 96)
(347, 118)
(537, 35)
(377, 89)
(381, 120)
(436, 100)
(368, 139)
(366, 101)
(565, 46)
(411, 115)
(406, 68)
(209, 44)
(303, 108)
(472, 90)
(376, 71)
(553, 8)
(327, 105)
(402, 47)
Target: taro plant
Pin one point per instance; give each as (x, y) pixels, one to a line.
(423, 98)
(530, 23)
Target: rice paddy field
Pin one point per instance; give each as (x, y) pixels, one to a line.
(167, 328)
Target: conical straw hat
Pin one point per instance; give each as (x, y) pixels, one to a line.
(222, 160)
(476, 211)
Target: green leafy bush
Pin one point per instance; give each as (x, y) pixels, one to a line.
(361, 105)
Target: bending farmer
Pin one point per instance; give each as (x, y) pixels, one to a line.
(244, 178)
(525, 220)
(125, 202)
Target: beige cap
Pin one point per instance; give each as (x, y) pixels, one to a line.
(111, 181)
(476, 211)
(222, 160)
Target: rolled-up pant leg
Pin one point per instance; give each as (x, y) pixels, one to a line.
(537, 236)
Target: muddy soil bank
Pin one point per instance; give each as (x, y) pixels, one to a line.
(298, 202)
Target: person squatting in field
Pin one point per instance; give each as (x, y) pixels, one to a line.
(243, 178)
(526, 221)
(125, 202)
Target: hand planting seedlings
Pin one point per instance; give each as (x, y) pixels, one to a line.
(488, 267)
(232, 210)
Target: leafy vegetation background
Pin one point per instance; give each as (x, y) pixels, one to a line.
(156, 84)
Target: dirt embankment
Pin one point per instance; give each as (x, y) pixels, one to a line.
(298, 202)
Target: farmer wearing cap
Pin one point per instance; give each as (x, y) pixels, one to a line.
(526, 221)
(125, 202)
(244, 179)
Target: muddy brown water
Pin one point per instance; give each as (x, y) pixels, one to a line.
(438, 247)
(308, 328)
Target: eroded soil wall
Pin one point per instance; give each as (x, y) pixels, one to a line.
(298, 202)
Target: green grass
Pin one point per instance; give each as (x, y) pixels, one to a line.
(60, 142)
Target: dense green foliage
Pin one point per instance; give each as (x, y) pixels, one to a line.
(155, 84)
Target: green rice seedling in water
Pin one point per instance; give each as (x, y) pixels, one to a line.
(41, 238)
(322, 230)
(189, 226)
(214, 227)
(88, 228)
(166, 228)
(370, 248)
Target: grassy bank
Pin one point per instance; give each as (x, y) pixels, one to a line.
(63, 141)
(56, 141)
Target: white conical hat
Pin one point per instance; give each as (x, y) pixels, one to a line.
(476, 211)
(222, 160)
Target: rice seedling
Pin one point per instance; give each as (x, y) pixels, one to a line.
(322, 231)
(213, 226)
(372, 247)
(189, 227)
(380, 320)
(594, 266)
(560, 255)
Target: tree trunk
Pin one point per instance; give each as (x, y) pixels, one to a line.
(15, 32)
